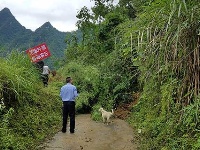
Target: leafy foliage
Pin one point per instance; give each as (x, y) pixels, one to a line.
(99, 50)
(87, 80)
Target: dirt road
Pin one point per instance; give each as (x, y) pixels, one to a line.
(91, 135)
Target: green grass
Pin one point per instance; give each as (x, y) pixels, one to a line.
(30, 112)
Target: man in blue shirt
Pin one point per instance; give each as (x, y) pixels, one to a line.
(68, 93)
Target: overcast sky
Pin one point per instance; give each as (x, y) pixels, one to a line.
(34, 13)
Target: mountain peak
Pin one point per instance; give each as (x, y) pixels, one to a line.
(6, 10)
(47, 25)
(8, 21)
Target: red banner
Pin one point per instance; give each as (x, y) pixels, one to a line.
(38, 52)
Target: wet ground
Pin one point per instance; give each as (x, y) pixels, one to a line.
(91, 135)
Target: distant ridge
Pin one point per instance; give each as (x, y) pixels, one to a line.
(15, 36)
(5, 13)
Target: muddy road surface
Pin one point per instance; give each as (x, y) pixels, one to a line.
(91, 135)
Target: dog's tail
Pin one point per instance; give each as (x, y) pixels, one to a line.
(112, 111)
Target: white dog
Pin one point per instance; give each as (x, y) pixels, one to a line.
(106, 115)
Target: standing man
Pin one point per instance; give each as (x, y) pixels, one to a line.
(68, 93)
(45, 75)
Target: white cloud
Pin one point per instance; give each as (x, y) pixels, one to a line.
(34, 13)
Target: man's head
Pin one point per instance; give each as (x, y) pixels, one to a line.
(68, 80)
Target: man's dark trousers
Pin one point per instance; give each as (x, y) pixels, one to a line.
(69, 109)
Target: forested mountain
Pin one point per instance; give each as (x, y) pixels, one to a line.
(15, 36)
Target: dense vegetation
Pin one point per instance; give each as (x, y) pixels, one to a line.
(145, 46)
(28, 112)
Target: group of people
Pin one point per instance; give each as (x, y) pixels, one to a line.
(68, 94)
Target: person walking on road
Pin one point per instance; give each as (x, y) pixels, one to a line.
(68, 94)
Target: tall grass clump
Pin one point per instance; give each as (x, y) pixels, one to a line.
(27, 111)
(166, 37)
(18, 76)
